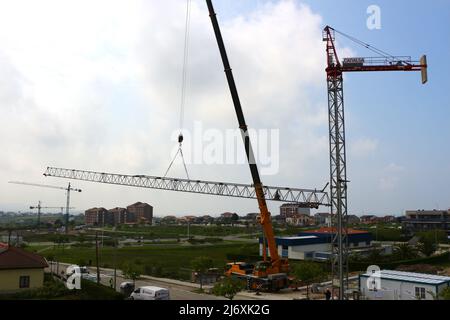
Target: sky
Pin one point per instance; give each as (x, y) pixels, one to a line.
(96, 85)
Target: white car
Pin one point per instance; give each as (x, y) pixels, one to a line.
(150, 293)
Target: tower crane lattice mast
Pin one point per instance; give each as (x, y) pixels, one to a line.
(39, 208)
(338, 161)
(68, 189)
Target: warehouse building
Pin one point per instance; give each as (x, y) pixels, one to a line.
(400, 285)
(316, 244)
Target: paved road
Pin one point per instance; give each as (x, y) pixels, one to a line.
(180, 290)
(177, 291)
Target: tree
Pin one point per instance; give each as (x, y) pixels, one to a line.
(201, 266)
(131, 271)
(445, 294)
(405, 252)
(81, 239)
(429, 241)
(427, 246)
(228, 287)
(308, 273)
(374, 255)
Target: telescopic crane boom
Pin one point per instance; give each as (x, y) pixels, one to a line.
(277, 265)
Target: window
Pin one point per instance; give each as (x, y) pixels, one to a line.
(24, 282)
(420, 293)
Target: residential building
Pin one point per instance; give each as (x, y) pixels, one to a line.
(142, 212)
(300, 220)
(316, 244)
(353, 219)
(422, 220)
(323, 218)
(251, 216)
(207, 219)
(119, 215)
(169, 220)
(369, 219)
(98, 217)
(187, 219)
(227, 215)
(289, 209)
(400, 285)
(20, 269)
(387, 219)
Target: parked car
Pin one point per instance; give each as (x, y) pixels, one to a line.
(150, 293)
(127, 288)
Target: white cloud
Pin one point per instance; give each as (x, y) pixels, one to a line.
(392, 174)
(96, 85)
(363, 147)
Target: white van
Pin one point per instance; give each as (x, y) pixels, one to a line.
(150, 293)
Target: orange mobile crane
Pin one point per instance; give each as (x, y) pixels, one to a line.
(268, 274)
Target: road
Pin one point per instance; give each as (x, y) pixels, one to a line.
(178, 291)
(181, 290)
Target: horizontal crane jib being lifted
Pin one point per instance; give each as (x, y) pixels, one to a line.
(304, 197)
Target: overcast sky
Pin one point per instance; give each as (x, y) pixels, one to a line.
(95, 85)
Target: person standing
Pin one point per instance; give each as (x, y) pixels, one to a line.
(328, 294)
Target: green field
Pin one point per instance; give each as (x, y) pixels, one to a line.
(167, 260)
(174, 231)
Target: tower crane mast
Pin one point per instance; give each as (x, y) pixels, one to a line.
(68, 189)
(39, 208)
(338, 162)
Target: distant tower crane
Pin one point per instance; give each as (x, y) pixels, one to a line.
(39, 207)
(67, 189)
(338, 168)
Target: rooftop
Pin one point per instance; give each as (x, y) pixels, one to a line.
(412, 277)
(332, 230)
(297, 237)
(16, 258)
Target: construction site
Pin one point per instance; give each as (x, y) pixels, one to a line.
(332, 255)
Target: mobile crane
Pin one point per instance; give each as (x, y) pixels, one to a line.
(268, 274)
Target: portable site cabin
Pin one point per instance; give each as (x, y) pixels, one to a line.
(399, 285)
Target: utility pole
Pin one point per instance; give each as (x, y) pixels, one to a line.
(39, 216)
(115, 261)
(189, 233)
(9, 237)
(96, 257)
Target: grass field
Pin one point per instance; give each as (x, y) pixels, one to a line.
(174, 231)
(172, 261)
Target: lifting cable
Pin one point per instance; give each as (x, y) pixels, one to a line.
(184, 77)
(366, 45)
